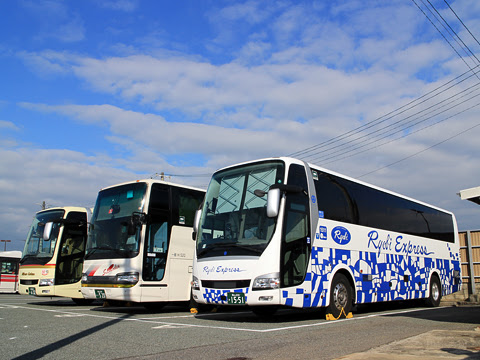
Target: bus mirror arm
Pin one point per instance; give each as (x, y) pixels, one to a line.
(48, 227)
(288, 189)
(274, 194)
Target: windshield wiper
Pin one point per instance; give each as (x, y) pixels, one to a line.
(116, 251)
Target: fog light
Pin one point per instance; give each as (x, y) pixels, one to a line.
(265, 298)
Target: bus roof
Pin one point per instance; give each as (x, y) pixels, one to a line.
(154, 181)
(11, 254)
(290, 160)
(66, 208)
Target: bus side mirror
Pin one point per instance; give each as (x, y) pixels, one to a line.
(196, 221)
(131, 227)
(47, 231)
(137, 219)
(273, 202)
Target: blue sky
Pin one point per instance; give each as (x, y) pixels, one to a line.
(98, 92)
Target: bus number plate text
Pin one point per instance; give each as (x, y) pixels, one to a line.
(236, 298)
(100, 294)
(31, 291)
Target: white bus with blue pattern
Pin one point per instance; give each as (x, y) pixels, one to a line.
(283, 232)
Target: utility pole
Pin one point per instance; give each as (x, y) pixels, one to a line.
(5, 241)
(43, 205)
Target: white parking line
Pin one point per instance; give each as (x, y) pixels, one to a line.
(166, 324)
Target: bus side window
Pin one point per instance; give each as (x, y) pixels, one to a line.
(184, 205)
(334, 199)
(296, 223)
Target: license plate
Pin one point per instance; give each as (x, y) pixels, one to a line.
(100, 294)
(236, 298)
(31, 291)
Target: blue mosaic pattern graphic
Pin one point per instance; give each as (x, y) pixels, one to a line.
(378, 277)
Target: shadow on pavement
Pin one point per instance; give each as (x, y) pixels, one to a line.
(39, 353)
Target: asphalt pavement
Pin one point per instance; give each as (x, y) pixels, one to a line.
(55, 328)
(433, 345)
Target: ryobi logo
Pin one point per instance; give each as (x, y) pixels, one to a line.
(341, 235)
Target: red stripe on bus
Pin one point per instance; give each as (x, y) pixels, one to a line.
(94, 270)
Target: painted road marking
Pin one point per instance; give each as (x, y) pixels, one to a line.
(159, 324)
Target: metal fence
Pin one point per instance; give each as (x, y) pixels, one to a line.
(470, 255)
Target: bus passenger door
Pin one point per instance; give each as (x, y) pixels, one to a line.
(296, 231)
(71, 250)
(156, 248)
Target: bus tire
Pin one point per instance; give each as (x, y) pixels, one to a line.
(341, 296)
(435, 296)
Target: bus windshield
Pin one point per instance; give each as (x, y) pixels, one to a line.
(35, 246)
(234, 220)
(115, 229)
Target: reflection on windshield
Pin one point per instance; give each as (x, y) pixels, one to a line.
(109, 235)
(234, 220)
(35, 246)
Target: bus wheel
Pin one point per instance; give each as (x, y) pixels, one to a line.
(83, 301)
(435, 292)
(340, 296)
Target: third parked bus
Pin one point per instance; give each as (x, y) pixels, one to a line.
(283, 232)
(9, 271)
(140, 246)
(52, 260)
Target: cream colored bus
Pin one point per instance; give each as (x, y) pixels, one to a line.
(52, 259)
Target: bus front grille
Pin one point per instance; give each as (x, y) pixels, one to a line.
(29, 282)
(225, 284)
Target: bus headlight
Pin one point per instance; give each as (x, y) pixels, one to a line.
(84, 277)
(127, 278)
(268, 281)
(195, 283)
(46, 282)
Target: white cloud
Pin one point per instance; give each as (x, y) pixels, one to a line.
(8, 125)
(273, 96)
